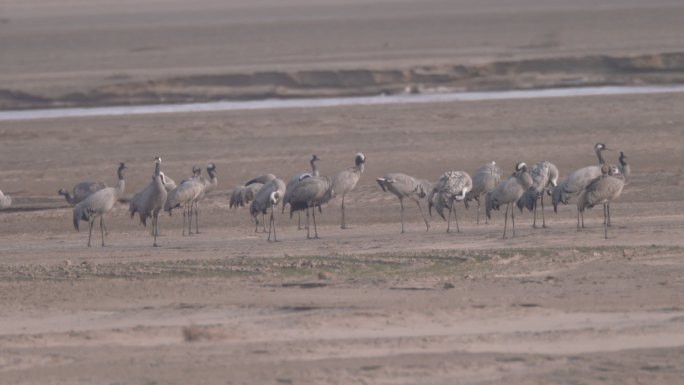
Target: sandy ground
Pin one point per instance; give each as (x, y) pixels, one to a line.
(366, 305)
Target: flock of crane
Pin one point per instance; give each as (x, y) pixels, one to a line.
(592, 185)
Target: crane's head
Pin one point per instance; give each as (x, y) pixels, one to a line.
(196, 170)
(120, 171)
(157, 160)
(360, 158)
(522, 167)
(211, 167)
(602, 147)
(622, 157)
(613, 170)
(314, 158)
(274, 198)
(62, 192)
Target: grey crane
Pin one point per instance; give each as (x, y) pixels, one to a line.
(601, 191)
(405, 186)
(508, 192)
(573, 184)
(452, 186)
(307, 194)
(290, 184)
(149, 201)
(81, 191)
(208, 186)
(99, 203)
(544, 174)
(268, 197)
(187, 194)
(5, 201)
(182, 196)
(485, 179)
(346, 180)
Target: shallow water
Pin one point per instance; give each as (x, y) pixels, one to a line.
(335, 102)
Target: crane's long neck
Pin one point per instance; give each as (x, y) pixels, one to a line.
(69, 198)
(624, 168)
(359, 168)
(314, 169)
(157, 176)
(121, 184)
(213, 180)
(599, 154)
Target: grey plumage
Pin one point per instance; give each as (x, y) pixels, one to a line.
(267, 197)
(263, 179)
(601, 191)
(295, 179)
(405, 186)
(149, 201)
(243, 195)
(98, 204)
(81, 191)
(573, 184)
(307, 194)
(544, 175)
(5, 201)
(485, 179)
(346, 180)
(169, 184)
(508, 192)
(452, 186)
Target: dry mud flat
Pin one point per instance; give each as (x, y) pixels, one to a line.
(365, 305)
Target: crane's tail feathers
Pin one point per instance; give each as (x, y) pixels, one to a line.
(559, 195)
(80, 213)
(77, 219)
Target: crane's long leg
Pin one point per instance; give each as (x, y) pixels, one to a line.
(344, 221)
(508, 205)
(189, 218)
(155, 228)
(449, 219)
(401, 202)
(90, 229)
(458, 230)
(478, 211)
(185, 214)
(542, 204)
(578, 219)
(308, 228)
(513, 219)
(605, 220)
(534, 221)
(272, 226)
(299, 220)
(196, 217)
(427, 224)
(102, 228)
(608, 208)
(313, 212)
